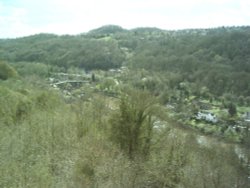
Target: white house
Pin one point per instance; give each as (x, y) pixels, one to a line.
(207, 116)
(247, 116)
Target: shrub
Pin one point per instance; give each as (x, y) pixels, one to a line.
(132, 126)
(27, 69)
(47, 99)
(14, 106)
(6, 71)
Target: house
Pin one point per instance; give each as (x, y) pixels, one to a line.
(207, 116)
(247, 117)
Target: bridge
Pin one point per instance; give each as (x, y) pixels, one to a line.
(71, 82)
(68, 75)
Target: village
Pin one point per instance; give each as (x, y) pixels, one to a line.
(209, 118)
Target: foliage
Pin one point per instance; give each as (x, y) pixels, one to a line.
(28, 69)
(107, 29)
(6, 71)
(221, 53)
(132, 126)
(14, 106)
(66, 51)
(55, 144)
(126, 139)
(232, 109)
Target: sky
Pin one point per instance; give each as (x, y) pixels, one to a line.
(27, 17)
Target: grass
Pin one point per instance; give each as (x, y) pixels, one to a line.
(243, 109)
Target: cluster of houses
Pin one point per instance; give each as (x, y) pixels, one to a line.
(212, 118)
(207, 116)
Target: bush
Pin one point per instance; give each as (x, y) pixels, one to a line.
(27, 69)
(132, 125)
(14, 106)
(47, 100)
(6, 71)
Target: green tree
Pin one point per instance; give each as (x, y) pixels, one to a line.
(132, 125)
(232, 109)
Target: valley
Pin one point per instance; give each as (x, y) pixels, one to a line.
(126, 108)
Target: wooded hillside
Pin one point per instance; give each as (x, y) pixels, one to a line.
(117, 108)
(216, 58)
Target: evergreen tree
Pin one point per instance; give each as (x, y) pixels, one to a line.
(232, 109)
(132, 126)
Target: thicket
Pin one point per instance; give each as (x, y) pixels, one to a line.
(46, 142)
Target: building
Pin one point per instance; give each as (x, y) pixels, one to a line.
(207, 116)
(247, 117)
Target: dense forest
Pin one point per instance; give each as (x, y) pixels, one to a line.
(222, 54)
(126, 108)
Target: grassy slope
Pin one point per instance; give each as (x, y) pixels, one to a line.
(55, 144)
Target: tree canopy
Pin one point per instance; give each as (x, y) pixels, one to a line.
(215, 58)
